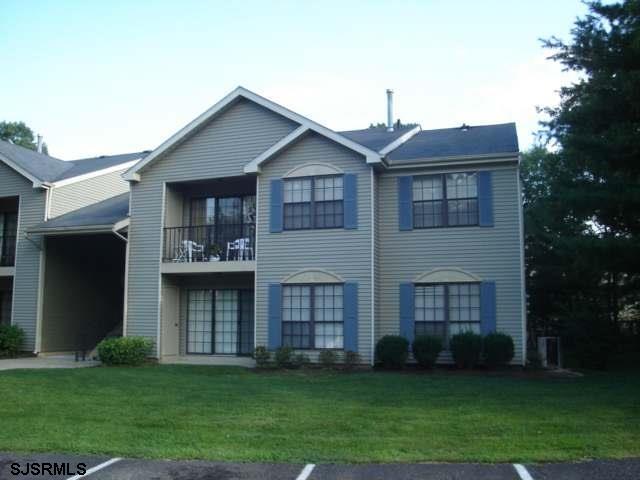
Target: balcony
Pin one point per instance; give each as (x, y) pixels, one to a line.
(210, 226)
(209, 248)
(209, 243)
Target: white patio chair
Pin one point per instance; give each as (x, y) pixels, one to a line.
(192, 251)
(241, 248)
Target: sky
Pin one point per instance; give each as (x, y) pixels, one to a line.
(108, 77)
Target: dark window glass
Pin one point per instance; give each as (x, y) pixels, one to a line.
(8, 231)
(313, 202)
(445, 200)
(246, 325)
(462, 199)
(445, 310)
(6, 297)
(199, 321)
(218, 222)
(296, 316)
(220, 321)
(312, 316)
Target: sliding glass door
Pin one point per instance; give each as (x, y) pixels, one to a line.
(220, 322)
(219, 221)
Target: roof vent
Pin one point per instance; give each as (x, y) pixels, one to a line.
(389, 110)
(40, 141)
(465, 127)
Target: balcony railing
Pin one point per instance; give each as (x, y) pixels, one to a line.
(210, 243)
(7, 250)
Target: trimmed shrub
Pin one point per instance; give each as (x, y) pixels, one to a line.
(328, 358)
(300, 360)
(392, 351)
(124, 350)
(351, 359)
(498, 349)
(426, 349)
(262, 356)
(466, 349)
(11, 337)
(283, 357)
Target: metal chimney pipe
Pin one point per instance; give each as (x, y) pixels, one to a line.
(39, 143)
(389, 110)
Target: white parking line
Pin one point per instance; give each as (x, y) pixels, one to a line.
(95, 469)
(524, 474)
(306, 471)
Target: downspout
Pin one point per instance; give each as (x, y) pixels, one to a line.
(126, 280)
(41, 269)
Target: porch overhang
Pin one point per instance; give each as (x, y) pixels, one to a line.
(108, 216)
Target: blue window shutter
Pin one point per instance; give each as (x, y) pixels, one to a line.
(350, 201)
(275, 221)
(485, 199)
(487, 307)
(350, 316)
(406, 310)
(405, 203)
(275, 314)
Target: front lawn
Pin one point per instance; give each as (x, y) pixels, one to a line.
(185, 412)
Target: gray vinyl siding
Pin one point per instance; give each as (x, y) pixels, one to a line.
(76, 195)
(221, 148)
(492, 253)
(376, 255)
(346, 253)
(27, 267)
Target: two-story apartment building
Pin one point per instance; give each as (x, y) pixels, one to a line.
(61, 287)
(254, 225)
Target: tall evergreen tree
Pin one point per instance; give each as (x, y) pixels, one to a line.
(582, 203)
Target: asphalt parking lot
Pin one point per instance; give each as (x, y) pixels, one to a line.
(107, 468)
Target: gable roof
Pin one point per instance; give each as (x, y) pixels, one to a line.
(133, 174)
(106, 216)
(376, 138)
(45, 169)
(474, 141)
(37, 167)
(83, 166)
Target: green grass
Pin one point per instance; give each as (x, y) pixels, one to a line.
(185, 412)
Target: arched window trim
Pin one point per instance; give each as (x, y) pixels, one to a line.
(447, 275)
(312, 276)
(313, 169)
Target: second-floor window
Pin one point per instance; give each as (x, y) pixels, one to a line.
(8, 228)
(313, 202)
(445, 200)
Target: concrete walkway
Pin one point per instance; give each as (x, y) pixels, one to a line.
(62, 361)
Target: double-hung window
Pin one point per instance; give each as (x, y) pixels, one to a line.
(312, 316)
(444, 310)
(313, 202)
(445, 200)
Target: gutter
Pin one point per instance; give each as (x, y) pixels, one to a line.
(447, 161)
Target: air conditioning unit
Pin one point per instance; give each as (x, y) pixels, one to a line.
(549, 351)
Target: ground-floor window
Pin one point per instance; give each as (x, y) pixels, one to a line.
(312, 316)
(6, 298)
(443, 310)
(220, 321)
